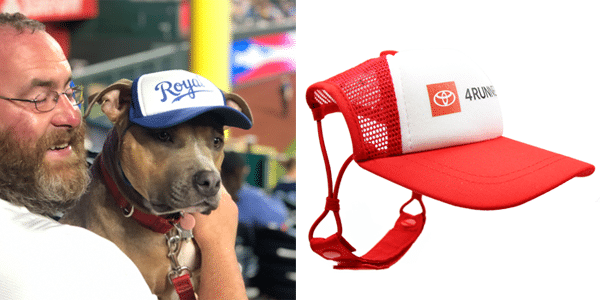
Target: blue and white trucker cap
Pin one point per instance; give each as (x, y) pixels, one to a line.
(168, 98)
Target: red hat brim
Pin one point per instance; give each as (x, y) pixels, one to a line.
(493, 174)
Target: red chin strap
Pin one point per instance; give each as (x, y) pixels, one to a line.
(386, 252)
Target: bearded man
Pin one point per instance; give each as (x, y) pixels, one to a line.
(43, 171)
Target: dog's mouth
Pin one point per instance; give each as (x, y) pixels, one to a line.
(162, 209)
(204, 207)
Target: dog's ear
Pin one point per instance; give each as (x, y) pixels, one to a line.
(114, 100)
(237, 102)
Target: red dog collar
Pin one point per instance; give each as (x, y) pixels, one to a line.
(152, 222)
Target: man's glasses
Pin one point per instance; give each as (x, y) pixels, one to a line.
(47, 100)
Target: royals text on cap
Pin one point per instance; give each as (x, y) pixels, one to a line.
(165, 99)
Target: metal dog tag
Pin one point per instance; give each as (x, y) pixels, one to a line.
(184, 234)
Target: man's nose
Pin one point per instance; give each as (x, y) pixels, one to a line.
(65, 114)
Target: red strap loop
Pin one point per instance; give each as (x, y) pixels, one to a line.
(415, 196)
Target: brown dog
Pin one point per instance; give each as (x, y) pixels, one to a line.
(157, 172)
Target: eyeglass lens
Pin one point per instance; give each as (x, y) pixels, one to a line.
(47, 101)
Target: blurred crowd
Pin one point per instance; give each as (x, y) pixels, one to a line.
(266, 239)
(262, 13)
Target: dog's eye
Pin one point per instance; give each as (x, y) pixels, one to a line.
(218, 142)
(163, 136)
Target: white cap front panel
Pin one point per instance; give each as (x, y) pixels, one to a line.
(443, 100)
(177, 89)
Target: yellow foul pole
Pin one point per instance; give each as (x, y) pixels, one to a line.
(210, 40)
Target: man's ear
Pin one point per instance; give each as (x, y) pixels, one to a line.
(240, 103)
(114, 100)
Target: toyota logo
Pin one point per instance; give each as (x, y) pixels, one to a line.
(444, 98)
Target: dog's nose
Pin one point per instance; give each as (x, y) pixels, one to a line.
(207, 182)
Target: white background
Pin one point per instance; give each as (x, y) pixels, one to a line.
(543, 58)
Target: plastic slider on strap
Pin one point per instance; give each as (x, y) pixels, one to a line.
(332, 204)
(334, 247)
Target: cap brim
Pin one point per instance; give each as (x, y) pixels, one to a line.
(493, 174)
(230, 117)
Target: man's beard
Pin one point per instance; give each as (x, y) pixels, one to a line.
(43, 187)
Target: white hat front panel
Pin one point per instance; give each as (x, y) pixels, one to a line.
(443, 100)
(177, 89)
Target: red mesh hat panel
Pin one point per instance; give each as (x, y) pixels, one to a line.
(365, 95)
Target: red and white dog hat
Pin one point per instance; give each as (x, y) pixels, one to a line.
(429, 121)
